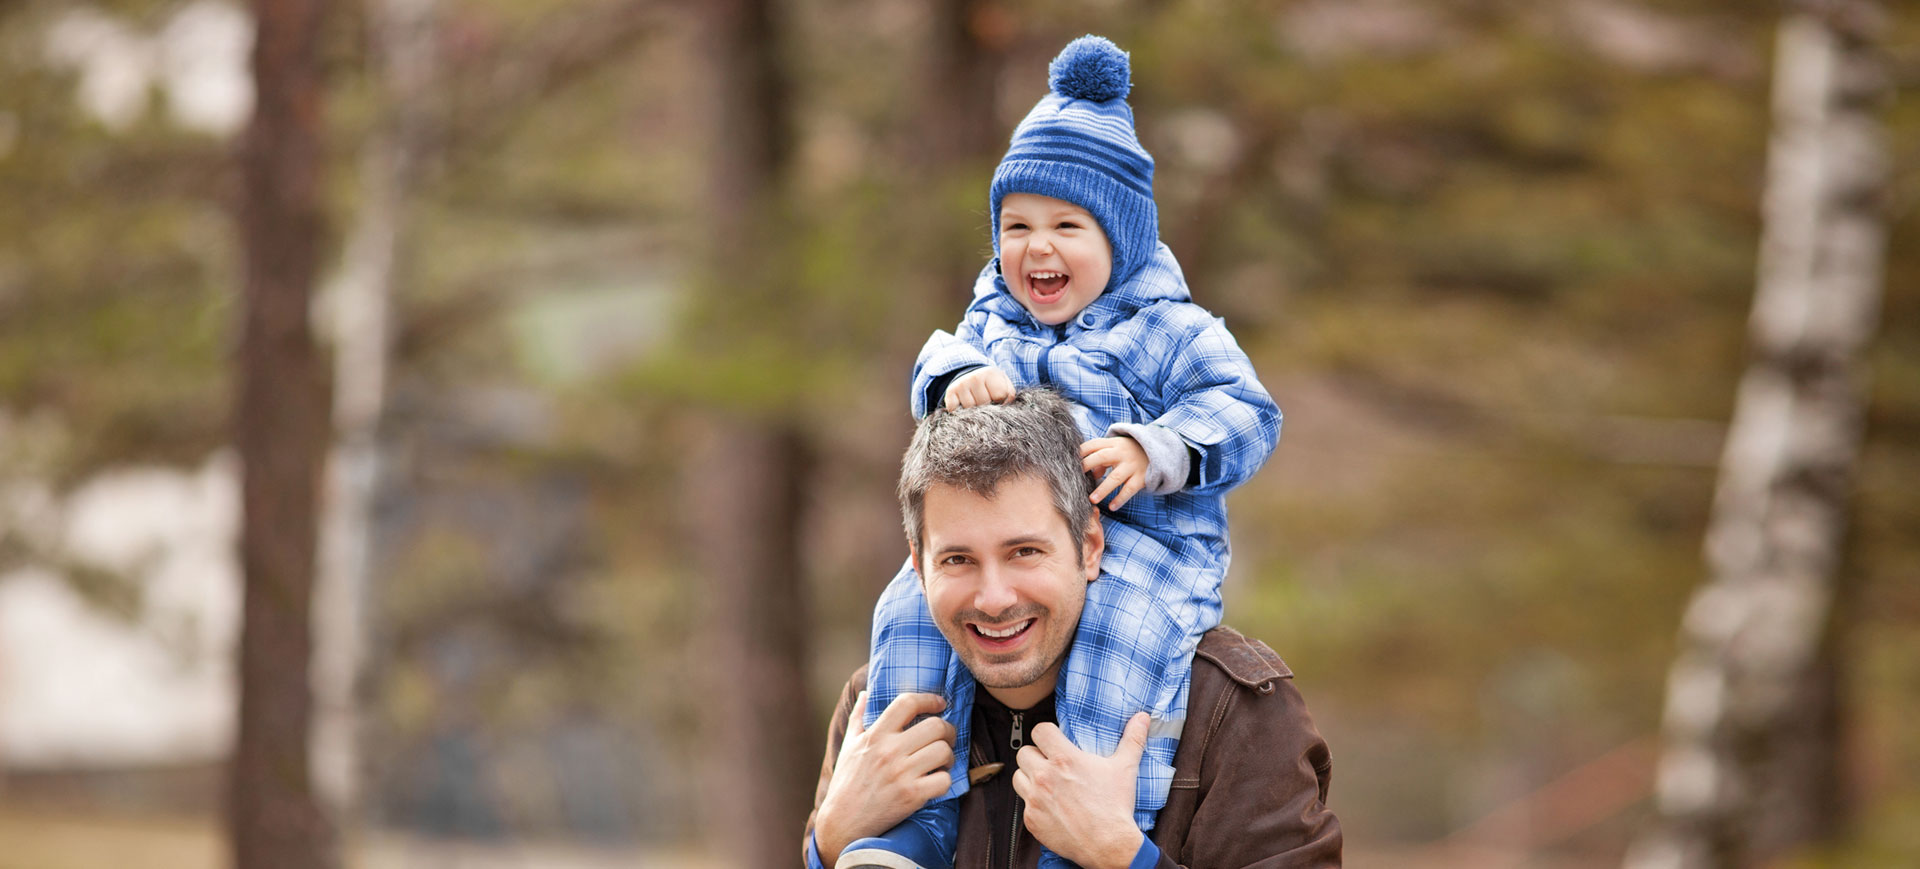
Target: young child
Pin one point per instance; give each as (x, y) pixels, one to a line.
(1083, 297)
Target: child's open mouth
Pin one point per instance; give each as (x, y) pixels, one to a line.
(1045, 288)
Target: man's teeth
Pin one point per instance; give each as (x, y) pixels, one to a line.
(1001, 635)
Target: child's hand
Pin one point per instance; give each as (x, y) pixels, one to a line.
(1126, 465)
(984, 385)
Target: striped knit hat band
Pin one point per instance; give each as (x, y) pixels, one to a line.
(1078, 145)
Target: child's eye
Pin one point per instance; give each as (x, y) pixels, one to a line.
(1068, 224)
(1013, 226)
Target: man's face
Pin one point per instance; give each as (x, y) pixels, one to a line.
(1004, 584)
(1053, 255)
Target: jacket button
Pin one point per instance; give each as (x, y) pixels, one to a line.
(1265, 687)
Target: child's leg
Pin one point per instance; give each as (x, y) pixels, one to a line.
(910, 655)
(1130, 654)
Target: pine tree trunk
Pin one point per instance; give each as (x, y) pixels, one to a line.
(1751, 765)
(746, 480)
(746, 499)
(964, 49)
(280, 422)
(957, 136)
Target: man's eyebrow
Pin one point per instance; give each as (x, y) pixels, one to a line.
(1009, 543)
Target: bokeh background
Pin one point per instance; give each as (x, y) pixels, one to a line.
(652, 281)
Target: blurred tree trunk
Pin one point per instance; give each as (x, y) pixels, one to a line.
(956, 143)
(965, 48)
(280, 424)
(747, 476)
(745, 500)
(405, 66)
(1751, 766)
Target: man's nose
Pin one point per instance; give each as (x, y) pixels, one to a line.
(996, 593)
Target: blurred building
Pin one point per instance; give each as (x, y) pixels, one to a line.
(116, 655)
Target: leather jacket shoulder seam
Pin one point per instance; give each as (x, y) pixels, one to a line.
(1234, 652)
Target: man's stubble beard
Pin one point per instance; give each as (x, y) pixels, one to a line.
(1045, 661)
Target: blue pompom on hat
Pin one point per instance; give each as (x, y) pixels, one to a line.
(1078, 145)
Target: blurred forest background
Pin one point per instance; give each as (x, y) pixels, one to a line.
(619, 300)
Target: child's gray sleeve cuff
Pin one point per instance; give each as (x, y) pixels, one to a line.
(1167, 454)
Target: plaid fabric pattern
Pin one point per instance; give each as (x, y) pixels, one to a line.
(1140, 353)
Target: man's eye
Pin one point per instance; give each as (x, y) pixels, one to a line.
(1025, 551)
(954, 560)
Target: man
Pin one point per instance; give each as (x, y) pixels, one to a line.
(1001, 530)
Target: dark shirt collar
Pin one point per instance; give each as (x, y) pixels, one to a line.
(994, 721)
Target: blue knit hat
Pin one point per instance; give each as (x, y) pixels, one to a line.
(1078, 145)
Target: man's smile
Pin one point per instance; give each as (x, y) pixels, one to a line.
(1000, 639)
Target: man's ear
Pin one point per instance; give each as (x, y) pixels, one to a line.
(913, 558)
(1094, 544)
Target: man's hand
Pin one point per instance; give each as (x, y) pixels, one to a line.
(1080, 804)
(884, 774)
(984, 385)
(1125, 463)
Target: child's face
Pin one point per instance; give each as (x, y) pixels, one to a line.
(1053, 255)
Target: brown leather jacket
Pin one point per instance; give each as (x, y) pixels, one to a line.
(1249, 779)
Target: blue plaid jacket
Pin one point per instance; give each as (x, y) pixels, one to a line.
(1142, 352)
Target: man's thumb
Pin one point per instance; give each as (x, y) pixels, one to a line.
(1133, 742)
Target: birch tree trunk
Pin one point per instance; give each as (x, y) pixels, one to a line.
(1751, 765)
(361, 307)
(746, 478)
(280, 425)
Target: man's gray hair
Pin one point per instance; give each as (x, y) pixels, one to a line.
(978, 448)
